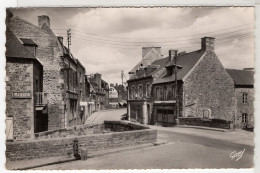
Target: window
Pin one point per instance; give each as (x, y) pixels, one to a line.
(244, 118)
(148, 90)
(172, 92)
(140, 92)
(157, 93)
(165, 93)
(244, 97)
(133, 92)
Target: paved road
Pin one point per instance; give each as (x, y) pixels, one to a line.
(184, 148)
(180, 151)
(109, 114)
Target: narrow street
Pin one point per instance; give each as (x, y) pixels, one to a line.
(183, 148)
(109, 114)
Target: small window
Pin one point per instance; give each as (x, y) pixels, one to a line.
(244, 97)
(244, 118)
(157, 93)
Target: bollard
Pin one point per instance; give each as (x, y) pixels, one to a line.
(76, 148)
(84, 154)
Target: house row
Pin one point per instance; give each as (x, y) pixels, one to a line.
(46, 86)
(190, 88)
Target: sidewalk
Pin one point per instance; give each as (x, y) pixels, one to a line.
(35, 163)
(238, 136)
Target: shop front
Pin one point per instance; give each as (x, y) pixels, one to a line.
(164, 113)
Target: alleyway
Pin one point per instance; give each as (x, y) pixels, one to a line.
(109, 114)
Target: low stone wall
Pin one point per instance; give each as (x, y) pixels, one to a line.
(71, 131)
(120, 126)
(64, 146)
(215, 123)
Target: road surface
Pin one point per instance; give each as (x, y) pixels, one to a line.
(183, 148)
(109, 114)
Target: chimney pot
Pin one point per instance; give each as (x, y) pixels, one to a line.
(208, 43)
(43, 21)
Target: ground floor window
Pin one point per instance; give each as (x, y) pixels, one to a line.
(244, 118)
(73, 108)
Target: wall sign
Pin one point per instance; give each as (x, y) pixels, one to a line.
(22, 95)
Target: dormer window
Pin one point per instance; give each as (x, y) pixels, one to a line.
(30, 45)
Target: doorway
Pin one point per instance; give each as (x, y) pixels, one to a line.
(41, 123)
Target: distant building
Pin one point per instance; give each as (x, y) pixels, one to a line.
(25, 109)
(244, 97)
(99, 91)
(113, 98)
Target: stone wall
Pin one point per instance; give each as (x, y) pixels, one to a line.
(72, 131)
(64, 146)
(215, 123)
(49, 54)
(19, 76)
(209, 86)
(120, 126)
(247, 107)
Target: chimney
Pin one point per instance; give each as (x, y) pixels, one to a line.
(60, 39)
(208, 43)
(97, 78)
(171, 54)
(43, 21)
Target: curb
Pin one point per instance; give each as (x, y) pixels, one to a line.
(46, 164)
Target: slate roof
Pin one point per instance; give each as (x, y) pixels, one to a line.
(186, 61)
(151, 69)
(27, 41)
(14, 48)
(241, 77)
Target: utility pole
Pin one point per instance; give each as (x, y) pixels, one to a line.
(122, 77)
(69, 38)
(176, 86)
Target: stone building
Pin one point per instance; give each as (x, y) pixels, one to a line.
(244, 97)
(113, 97)
(122, 95)
(204, 89)
(151, 67)
(99, 91)
(25, 110)
(63, 75)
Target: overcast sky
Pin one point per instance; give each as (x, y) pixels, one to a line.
(108, 40)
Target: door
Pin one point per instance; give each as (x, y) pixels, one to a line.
(164, 118)
(41, 122)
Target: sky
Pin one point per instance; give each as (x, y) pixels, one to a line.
(110, 40)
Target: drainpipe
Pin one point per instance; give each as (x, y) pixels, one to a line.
(176, 85)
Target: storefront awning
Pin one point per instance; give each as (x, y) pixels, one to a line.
(168, 102)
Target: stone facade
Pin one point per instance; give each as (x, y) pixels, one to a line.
(63, 75)
(99, 92)
(21, 76)
(209, 86)
(244, 108)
